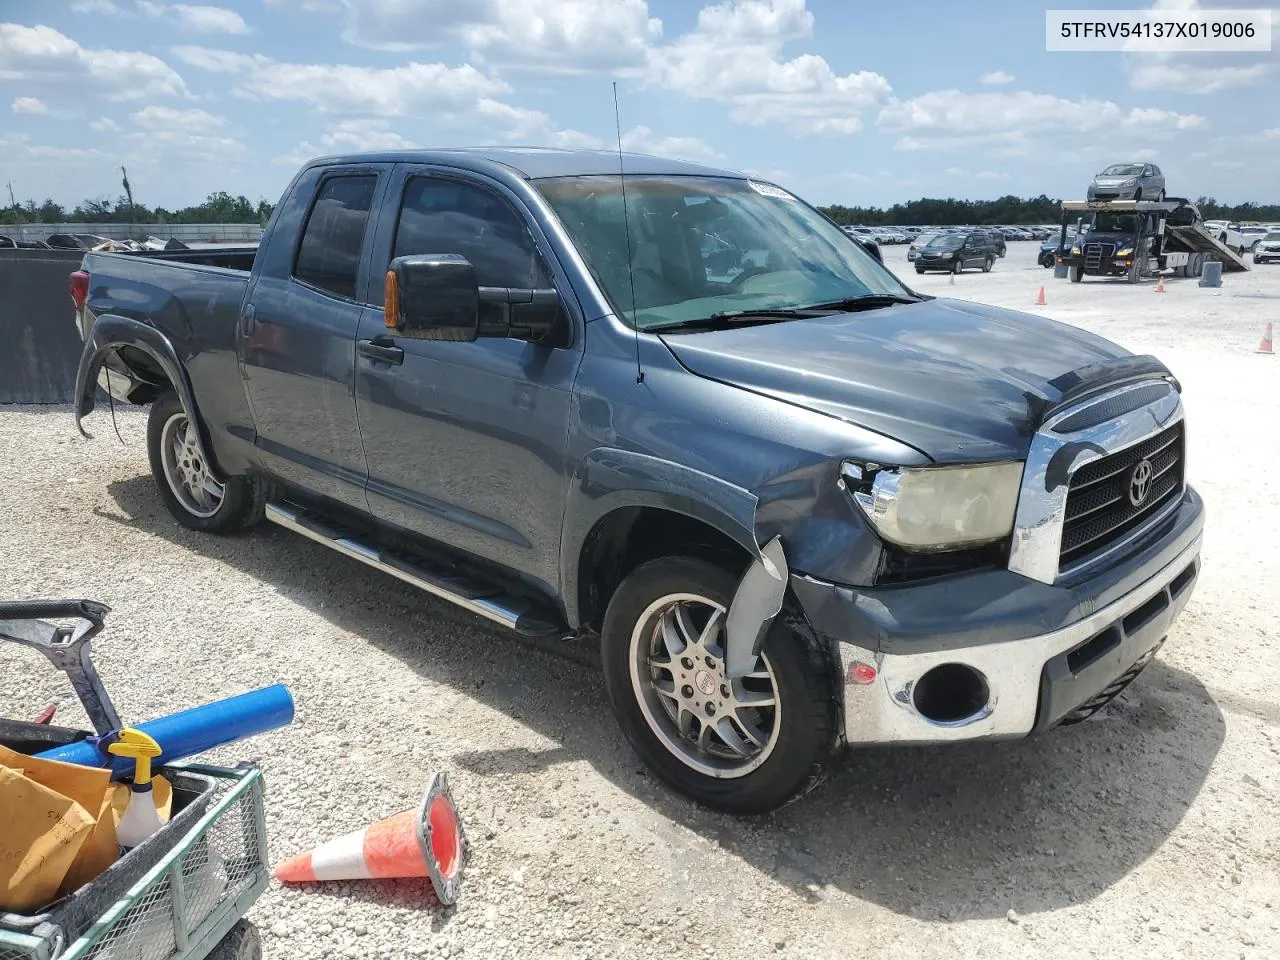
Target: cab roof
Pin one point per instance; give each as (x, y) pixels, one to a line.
(537, 163)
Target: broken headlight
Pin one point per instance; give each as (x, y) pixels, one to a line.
(937, 508)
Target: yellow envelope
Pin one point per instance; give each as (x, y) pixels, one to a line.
(44, 832)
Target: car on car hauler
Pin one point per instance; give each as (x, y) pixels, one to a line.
(1140, 238)
(792, 501)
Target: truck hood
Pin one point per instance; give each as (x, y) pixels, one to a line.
(959, 381)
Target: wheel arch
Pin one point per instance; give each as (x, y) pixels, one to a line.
(625, 508)
(121, 336)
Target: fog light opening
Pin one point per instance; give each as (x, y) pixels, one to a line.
(951, 693)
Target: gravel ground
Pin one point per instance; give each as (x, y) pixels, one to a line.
(1151, 831)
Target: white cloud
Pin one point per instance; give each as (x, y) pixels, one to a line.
(643, 140)
(991, 175)
(559, 36)
(105, 8)
(1156, 71)
(60, 66)
(104, 125)
(166, 118)
(460, 97)
(996, 78)
(348, 136)
(195, 18)
(950, 118)
(954, 172)
(30, 105)
(733, 57)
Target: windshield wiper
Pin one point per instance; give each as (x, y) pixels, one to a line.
(870, 301)
(727, 319)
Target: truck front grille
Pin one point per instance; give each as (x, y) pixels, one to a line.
(1095, 253)
(1100, 499)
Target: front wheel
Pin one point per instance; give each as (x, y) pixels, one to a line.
(182, 472)
(919, 269)
(743, 745)
(986, 264)
(1075, 274)
(957, 266)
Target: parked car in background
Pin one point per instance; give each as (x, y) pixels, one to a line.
(1128, 181)
(1251, 235)
(954, 252)
(919, 243)
(1051, 249)
(997, 241)
(1268, 248)
(75, 241)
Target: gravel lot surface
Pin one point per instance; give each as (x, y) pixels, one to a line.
(1151, 831)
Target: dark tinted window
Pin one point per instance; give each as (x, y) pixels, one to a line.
(446, 216)
(329, 255)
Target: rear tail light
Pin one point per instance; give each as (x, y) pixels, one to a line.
(78, 287)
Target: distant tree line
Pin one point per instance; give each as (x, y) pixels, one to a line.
(1012, 210)
(218, 207)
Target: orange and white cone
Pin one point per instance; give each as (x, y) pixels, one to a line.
(426, 841)
(1264, 345)
(1040, 300)
(1160, 284)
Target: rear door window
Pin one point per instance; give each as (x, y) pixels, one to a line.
(329, 254)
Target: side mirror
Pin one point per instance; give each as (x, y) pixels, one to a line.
(433, 296)
(870, 247)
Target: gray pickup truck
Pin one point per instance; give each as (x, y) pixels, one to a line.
(680, 415)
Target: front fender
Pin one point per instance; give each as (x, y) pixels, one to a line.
(110, 332)
(610, 479)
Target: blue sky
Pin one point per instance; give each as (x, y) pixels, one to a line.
(852, 101)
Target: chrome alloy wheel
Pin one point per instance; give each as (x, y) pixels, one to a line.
(719, 727)
(186, 469)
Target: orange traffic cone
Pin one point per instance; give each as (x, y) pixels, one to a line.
(1264, 345)
(1160, 284)
(1040, 300)
(424, 842)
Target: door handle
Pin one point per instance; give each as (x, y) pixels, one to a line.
(381, 350)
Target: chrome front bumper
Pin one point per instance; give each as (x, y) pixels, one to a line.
(884, 710)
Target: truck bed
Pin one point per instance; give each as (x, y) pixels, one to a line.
(1194, 239)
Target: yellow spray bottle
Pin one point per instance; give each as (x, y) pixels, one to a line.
(140, 819)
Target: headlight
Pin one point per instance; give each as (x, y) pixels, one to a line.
(1075, 251)
(945, 256)
(939, 508)
(1130, 183)
(1127, 251)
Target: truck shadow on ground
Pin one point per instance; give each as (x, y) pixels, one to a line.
(952, 833)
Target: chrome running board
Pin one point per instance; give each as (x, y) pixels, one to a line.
(486, 600)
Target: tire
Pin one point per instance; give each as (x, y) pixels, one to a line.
(181, 472)
(957, 266)
(1160, 197)
(1137, 195)
(242, 942)
(1075, 274)
(919, 269)
(792, 737)
(987, 263)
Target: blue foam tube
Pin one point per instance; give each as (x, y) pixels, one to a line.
(193, 731)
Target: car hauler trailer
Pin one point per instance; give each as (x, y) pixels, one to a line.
(1141, 238)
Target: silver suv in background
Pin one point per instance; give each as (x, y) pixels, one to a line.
(1128, 181)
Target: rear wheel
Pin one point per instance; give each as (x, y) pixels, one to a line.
(185, 478)
(743, 745)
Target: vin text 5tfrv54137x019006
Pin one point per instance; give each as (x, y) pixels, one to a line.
(828, 509)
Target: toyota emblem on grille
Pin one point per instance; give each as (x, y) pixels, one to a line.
(1140, 482)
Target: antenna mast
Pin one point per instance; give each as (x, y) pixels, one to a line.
(626, 226)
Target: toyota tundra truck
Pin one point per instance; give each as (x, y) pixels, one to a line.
(676, 414)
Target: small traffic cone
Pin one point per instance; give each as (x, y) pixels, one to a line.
(1160, 284)
(1264, 345)
(426, 841)
(1040, 300)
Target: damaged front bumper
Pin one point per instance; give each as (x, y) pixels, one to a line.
(996, 655)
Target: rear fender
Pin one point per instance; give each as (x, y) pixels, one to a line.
(110, 332)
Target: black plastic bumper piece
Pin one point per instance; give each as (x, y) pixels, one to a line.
(1076, 684)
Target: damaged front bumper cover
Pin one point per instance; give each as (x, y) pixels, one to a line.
(900, 679)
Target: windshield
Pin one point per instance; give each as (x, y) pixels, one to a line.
(925, 238)
(946, 241)
(1273, 235)
(1122, 170)
(707, 245)
(1114, 223)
